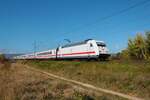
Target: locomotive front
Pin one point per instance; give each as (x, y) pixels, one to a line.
(103, 50)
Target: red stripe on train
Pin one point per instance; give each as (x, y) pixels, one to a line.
(77, 53)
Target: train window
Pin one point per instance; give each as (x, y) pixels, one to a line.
(91, 45)
(45, 53)
(101, 44)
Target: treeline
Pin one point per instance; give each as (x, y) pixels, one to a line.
(138, 47)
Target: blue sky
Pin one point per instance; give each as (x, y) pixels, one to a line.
(49, 22)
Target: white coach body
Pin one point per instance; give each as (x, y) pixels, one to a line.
(86, 49)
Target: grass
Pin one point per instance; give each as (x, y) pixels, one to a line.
(130, 77)
(19, 83)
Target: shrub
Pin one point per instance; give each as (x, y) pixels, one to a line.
(138, 47)
(2, 58)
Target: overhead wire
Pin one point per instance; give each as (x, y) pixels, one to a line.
(111, 15)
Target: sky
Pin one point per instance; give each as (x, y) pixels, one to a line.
(46, 23)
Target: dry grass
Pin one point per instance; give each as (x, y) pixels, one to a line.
(19, 83)
(129, 77)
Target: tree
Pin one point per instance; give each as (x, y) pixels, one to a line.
(131, 48)
(148, 43)
(136, 47)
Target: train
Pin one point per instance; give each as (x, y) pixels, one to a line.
(87, 49)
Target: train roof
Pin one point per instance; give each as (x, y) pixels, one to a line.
(76, 43)
(44, 51)
(79, 43)
(99, 41)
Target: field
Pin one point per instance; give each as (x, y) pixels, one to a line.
(129, 77)
(19, 83)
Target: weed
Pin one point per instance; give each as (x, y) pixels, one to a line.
(130, 77)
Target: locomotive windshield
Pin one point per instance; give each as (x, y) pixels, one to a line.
(101, 44)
